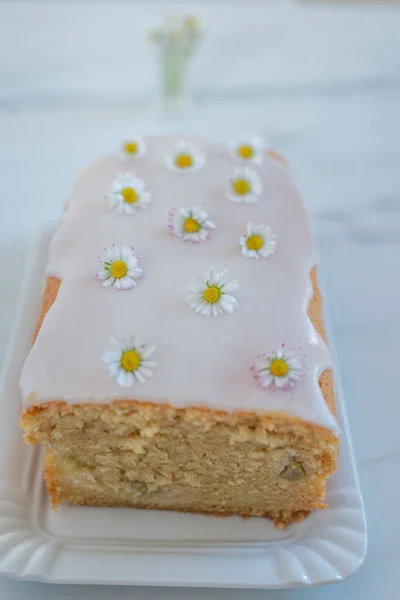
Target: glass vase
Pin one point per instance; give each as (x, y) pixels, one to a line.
(174, 62)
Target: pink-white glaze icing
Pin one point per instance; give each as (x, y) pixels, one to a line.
(202, 361)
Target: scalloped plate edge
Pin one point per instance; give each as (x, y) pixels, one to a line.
(327, 548)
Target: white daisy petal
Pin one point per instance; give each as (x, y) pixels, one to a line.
(198, 213)
(210, 274)
(293, 362)
(136, 273)
(203, 235)
(111, 254)
(147, 350)
(258, 366)
(220, 276)
(148, 364)
(141, 186)
(146, 372)
(204, 307)
(102, 275)
(281, 382)
(126, 254)
(108, 282)
(266, 381)
(256, 187)
(114, 369)
(129, 342)
(111, 356)
(130, 380)
(227, 298)
(127, 283)
(121, 378)
(209, 224)
(139, 376)
(227, 306)
(132, 267)
(207, 309)
(232, 286)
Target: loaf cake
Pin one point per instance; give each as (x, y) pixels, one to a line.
(179, 360)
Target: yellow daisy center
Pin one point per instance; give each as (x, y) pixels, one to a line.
(241, 187)
(245, 151)
(130, 360)
(131, 147)
(191, 225)
(129, 195)
(254, 242)
(184, 161)
(119, 269)
(212, 294)
(279, 367)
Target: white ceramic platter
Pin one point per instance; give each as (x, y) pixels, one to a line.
(138, 547)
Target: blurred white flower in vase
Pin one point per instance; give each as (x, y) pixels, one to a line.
(176, 41)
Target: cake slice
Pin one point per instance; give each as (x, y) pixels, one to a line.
(179, 361)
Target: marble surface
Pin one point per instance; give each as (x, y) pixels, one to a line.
(323, 84)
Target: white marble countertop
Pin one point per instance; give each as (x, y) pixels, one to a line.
(323, 84)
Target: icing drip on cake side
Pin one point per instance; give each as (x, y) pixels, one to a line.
(202, 361)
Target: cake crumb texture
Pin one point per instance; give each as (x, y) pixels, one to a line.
(156, 456)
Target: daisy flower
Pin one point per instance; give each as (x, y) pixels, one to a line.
(210, 296)
(185, 158)
(249, 149)
(129, 364)
(281, 368)
(244, 185)
(259, 241)
(190, 224)
(134, 147)
(129, 193)
(120, 267)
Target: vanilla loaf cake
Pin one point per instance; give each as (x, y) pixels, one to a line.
(179, 360)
